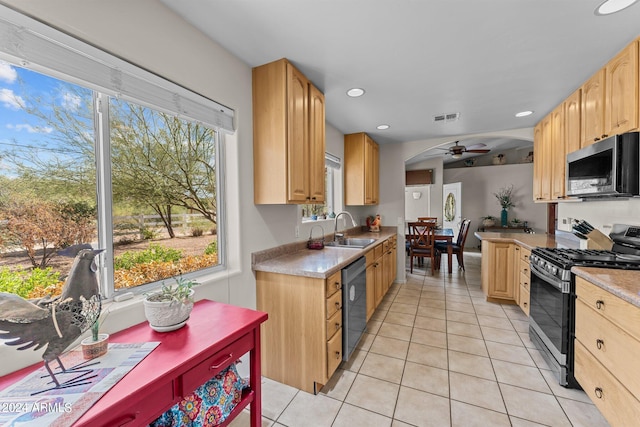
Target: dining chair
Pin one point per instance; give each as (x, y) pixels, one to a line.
(458, 246)
(422, 243)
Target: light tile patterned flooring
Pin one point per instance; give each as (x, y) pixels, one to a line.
(436, 354)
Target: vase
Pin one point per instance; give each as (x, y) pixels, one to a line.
(503, 218)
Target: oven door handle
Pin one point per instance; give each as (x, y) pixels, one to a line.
(551, 280)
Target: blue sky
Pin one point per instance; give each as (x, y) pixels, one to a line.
(16, 125)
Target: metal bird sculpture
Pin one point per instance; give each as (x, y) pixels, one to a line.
(55, 322)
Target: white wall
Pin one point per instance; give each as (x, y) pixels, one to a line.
(480, 182)
(414, 208)
(602, 214)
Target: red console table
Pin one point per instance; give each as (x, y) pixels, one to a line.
(215, 336)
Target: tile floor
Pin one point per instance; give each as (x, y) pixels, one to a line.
(436, 354)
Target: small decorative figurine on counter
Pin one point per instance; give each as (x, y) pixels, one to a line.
(374, 223)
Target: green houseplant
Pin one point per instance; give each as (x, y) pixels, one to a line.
(488, 221)
(169, 308)
(97, 344)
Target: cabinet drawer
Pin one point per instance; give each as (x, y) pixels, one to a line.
(524, 299)
(377, 251)
(524, 280)
(370, 257)
(334, 323)
(385, 245)
(156, 401)
(208, 368)
(613, 400)
(524, 268)
(334, 353)
(614, 348)
(334, 283)
(626, 316)
(524, 255)
(334, 303)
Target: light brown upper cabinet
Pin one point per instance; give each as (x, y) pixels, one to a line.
(288, 136)
(361, 170)
(556, 152)
(542, 165)
(610, 98)
(621, 93)
(593, 109)
(537, 162)
(572, 122)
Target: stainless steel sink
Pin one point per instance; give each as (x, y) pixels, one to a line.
(351, 243)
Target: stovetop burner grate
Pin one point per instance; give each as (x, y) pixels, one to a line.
(567, 258)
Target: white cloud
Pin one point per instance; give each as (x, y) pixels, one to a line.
(7, 72)
(11, 100)
(71, 101)
(30, 129)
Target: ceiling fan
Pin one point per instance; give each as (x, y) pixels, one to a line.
(458, 150)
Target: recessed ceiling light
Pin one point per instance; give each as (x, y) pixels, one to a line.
(382, 127)
(612, 6)
(355, 92)
(524, 113)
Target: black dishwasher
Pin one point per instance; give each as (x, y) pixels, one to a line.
(354, 305)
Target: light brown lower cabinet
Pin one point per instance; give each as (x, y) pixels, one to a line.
(498, 270)
(606, 352)
(302, 339)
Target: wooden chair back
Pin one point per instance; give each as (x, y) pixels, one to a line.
(464, 230)
(421, 234)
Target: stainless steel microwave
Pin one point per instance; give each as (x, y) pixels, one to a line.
(606, 168)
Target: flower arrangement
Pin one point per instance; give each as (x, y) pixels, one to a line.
(505, 197)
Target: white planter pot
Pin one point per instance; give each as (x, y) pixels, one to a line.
(164, 316)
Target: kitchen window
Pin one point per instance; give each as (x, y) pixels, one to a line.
(333, 185)
(95, 150)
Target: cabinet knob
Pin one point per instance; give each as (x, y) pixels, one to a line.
(596, 139)
(337, 355)
(338, 285)
(525, 304)
(337, 306)
(598, 392)
(337, 326)
(599, 304)
(599, 344)
(604, 135)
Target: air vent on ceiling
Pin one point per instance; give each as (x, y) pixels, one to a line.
(449, 117)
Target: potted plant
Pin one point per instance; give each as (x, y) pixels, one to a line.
(488, 221)
(515, 222)
(169, 308)
(97, 344)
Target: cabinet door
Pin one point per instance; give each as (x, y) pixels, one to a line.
(501, 270)
(375, 173)
(316, 145)
(379, 281)
(593, 109)
(371, 289)
(621, 94)
(572, 122)
(370, 153)
(545, 179)
(297, 136)
(537, 162)
(557, 153)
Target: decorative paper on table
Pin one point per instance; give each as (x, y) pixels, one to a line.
(61, 407)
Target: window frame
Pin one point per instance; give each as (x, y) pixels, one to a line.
(43, 49)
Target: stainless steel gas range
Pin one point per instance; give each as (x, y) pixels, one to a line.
(552, 306)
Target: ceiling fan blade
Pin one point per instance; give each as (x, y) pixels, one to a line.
(478, 151)
(476, 146)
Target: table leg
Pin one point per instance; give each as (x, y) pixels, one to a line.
(450, 253)
(255, 380)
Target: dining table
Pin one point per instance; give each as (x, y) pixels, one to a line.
(443, 235)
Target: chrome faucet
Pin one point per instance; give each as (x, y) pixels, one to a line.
(336, 235)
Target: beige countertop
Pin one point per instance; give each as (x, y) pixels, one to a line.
(296, 259)
(622, 283)
(529, 241)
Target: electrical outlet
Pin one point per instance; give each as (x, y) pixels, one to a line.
(297, 231)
